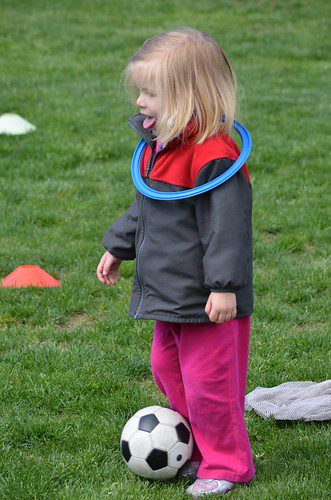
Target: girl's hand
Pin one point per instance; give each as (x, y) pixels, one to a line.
(107, 270)
(221, 306)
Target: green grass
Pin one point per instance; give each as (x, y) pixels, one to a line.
(74, 367)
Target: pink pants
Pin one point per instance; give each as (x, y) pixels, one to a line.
(202, 368)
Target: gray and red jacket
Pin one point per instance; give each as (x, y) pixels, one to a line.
(186, 249)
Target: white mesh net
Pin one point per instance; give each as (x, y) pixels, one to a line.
(292, 401)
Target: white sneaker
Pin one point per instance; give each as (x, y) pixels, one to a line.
(209, 487)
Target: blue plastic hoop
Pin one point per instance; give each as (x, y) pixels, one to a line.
(161, 195)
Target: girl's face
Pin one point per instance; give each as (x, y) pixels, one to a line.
(147, 101)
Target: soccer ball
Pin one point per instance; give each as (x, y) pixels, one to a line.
(156, 442)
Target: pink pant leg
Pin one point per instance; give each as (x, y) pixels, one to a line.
(166, 370)
(242, 356)
(213, 359)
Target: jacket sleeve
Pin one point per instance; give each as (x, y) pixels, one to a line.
(223, 217)
(120, 237)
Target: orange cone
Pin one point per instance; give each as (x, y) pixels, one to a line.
(29, 276)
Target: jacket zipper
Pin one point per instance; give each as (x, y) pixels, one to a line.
(138, 260)
(150, 165)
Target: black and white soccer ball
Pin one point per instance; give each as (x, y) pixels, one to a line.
(156, 442)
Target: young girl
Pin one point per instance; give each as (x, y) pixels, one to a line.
(193, 272)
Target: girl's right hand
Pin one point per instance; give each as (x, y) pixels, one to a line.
(107, 270)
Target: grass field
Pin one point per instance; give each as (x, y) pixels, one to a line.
(74, 367)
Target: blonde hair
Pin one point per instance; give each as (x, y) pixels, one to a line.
(191, 76)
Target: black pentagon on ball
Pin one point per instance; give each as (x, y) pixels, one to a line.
(183, 433)
(148, 423)
(157, 459)
(125, 450)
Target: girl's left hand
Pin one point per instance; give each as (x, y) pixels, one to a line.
(221, 306)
